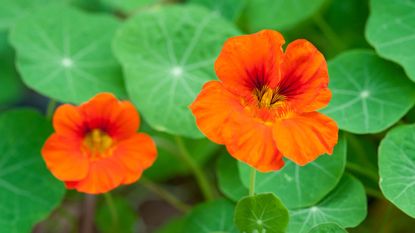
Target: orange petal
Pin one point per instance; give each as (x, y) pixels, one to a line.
(212, 108)
(250, 61)
(302, 138)
(304, 77)
(64, 158)
(68, 121)
(103, 176)
(252, 143)
(136, 154)
(118, 119)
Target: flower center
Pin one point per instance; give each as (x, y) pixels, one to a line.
(98, 144)
(268, 97)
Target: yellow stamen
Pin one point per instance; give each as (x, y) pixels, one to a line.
(268, 97)
(98, 143)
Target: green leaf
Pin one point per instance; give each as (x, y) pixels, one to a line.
(29, 192)
(211, 217)
(261, 213)
(168, 153)
(369, 94)
(292, 183)
(11, 86)
(167, 55)
(397, 167)
(12, 10)
(278, 14)
(346, 205)
(390, 31)
(65, 54)
(230, 9)
(229, 181)
(129, 6)
(173, 226)
(125, 221)
(328, 228)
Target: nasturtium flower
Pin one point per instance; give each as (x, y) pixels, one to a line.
(96, 147)
(265, 104)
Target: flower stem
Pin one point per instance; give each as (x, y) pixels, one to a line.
(252, 182)
(199, 174)
(363, 171)
(374, 193)
(113, 211)
(328, 32)
(165, 195)
(51, 108)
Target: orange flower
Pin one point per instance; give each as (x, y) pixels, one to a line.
(96, 147)
(265, 104)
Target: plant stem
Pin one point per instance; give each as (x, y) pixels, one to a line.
(363, 171)
(51, 108)
(328, 32)
(374, 193)
(113, 211)
(252, 182)
(165, 195)
(199, 174)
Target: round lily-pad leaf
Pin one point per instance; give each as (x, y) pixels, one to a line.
(175, 225)
(390, 31)
(261, 213)
(211, 217)
(369, 93)
(167, 55)
(11, 85)
(130, 6)
(278, 14)
(397, 168)
(328, 228)
(28, 191)
(345, 205)
(299, 186)
(12, 10)
(230, 9)
(229, 181)
(66, 54)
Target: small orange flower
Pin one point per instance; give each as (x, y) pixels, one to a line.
(96, 146)
(265, 104)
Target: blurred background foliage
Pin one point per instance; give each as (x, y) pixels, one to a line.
(126, 34)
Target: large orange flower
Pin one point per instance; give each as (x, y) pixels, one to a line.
(265, 104)
(96, 146)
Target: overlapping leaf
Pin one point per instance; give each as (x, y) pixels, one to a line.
(397, 167)
(278, 14)
(327, 228)
(346, 206)
(390, 29)
(68, 55)
(261, 213)
(230, 9)
(28, 191)
(211, 217)
(11, 86)
(293, 183)
(167, 55)
(130, 6)
(12, 10)
(228, 178)
(369, 94)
